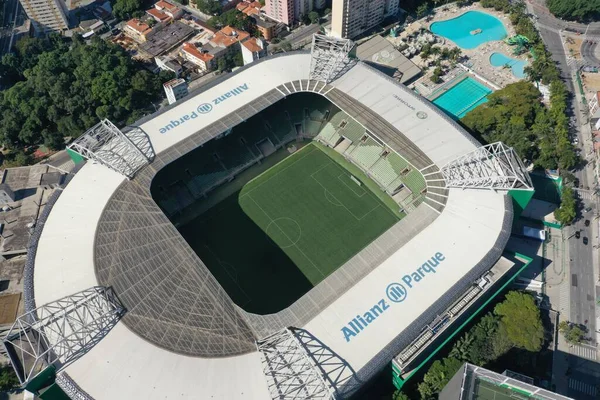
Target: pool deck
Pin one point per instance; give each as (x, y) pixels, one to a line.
(478, 58)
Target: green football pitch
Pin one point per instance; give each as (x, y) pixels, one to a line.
(489, 391)
(289, 228)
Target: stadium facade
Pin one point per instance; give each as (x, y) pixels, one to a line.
(171, 331)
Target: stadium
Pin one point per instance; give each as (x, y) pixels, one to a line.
(284, 232)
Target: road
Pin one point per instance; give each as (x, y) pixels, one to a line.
(582, 290)
(575, 379)
(588, 51)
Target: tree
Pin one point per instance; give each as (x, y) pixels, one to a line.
(567, 211)
(462, 347)
(8, 379)
(399, 395)
(438, 375)
(422, 10)
(209, 7)
(305, 19)
(314, 17)
(573, 333)
(124, 9)
(64, 89)
(221, 64)
(327, 11)
(520, 317)
(579, 10)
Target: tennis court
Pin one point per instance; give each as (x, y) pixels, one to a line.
(288, 229)
(463, 97)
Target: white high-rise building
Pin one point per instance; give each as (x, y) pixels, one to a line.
(47, 15)
(175, 89)
(350, 18)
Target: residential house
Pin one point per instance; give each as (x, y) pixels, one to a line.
(253, 49)
(139, 31)
(199, 56)
(170, 9)
(159, 16)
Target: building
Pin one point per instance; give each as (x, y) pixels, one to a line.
(179, 317)
(476, 383)
(158, 15)
(249, 8)
(350, 18)
(6, 194)
(281, 11)
(290, 11)
(265, 27)
(139, 30)
(165, 39)
(47, 16)
(201, 57)
(175, 89)
(168, 64)
(381, 54)
(253, 49)
(228, 38)
(224, 42)
(170, 9)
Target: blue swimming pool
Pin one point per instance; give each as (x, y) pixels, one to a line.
(463, 29)
(463, 97)
(517, 66)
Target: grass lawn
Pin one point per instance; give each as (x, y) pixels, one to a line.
(289, 228)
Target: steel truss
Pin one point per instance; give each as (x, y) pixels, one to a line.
(330, 58)
(494, 166)
(125, 152)
(59, 332)
(291, 373)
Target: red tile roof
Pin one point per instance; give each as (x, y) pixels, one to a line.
(139, 26)
(228, 36)
(191, 49)
(159, 15)
(167, 6)
(252, 45)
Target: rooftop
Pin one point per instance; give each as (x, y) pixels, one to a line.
(167, 6)
(166, 39)
(191, 49)
(228, 36)
(377, 51)
(174, 82)
(139, 26)
(253, 44)
(158, 15)
(263, 22)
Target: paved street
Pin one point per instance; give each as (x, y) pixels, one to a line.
(588, 51)
(581, 274)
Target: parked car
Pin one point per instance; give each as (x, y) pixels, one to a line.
(585, 240)
(588, 209)
(577, 235)
(587, 222)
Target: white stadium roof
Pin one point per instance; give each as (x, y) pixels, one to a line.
(471, 230)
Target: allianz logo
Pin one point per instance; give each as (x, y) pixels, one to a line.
(203, 108)
(394, 293)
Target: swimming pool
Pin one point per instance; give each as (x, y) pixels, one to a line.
(459, 29)
(517, 66)
(463, 97)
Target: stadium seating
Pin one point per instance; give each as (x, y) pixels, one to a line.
(366, 153)
(222, 158)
